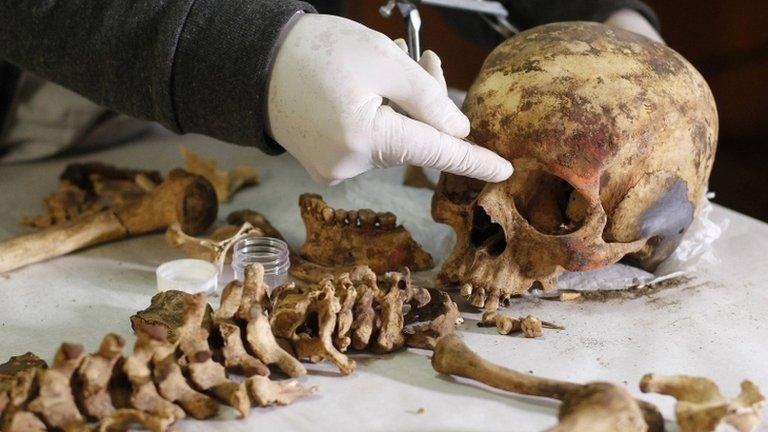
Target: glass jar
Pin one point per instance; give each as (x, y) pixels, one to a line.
(270, 252)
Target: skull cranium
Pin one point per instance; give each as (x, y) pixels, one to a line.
(612, 137)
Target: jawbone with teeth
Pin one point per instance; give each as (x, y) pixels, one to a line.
(341, 238)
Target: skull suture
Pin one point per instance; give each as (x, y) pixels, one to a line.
(612, 138)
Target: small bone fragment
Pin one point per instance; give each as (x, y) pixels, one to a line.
(317, 347)
(438, 323)
(205, 373)
(95, 373)
(236, 358)
(255, 291)
(700, 405)
(22, 421)
(18, 381)
(144, 393)
(235, 297)
(216, 249)
(592, 407)
(263, 344)
(364, 315)
(165, 310)
(531, 327)
(225, 183)
(55, 402)
(265, 392)
(391, 320)
(347, 294)
(126, 419)
(505, 324)
(569, 296)
(173, 386)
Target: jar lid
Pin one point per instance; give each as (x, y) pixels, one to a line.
(189, 275)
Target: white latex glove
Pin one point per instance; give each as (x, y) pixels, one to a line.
(326, 106)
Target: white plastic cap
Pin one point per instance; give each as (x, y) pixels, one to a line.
(189, 275)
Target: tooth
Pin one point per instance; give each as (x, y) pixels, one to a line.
(492, 301)
(466, 290)
(477, 299)
(341, 216)
(387, 220)
(327, 214)
(352, 217)
(367, 218)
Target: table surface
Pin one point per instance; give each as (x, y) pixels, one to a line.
(716, 325)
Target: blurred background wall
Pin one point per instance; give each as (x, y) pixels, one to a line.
(726, 40)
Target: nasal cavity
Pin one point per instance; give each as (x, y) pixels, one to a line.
(550, 204)
(485, 234)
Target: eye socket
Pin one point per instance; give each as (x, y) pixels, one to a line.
(486, 234)
(550, 204)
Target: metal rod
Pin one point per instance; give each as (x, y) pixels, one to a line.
(483, 7)
(413, 23)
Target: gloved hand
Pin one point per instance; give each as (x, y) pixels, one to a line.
(326, 106)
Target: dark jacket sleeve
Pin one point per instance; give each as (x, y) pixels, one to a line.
(525, 14)
(193, 65)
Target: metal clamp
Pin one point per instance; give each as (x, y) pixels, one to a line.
(491, 12)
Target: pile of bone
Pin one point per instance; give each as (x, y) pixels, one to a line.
(185, 352)
(356, 310)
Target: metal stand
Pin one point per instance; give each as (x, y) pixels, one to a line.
(491, 12)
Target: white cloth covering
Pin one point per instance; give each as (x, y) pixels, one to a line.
(716, 326)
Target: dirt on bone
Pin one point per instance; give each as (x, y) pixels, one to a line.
(343, 238)
(161, 381)
(596, 180)
(90, 187)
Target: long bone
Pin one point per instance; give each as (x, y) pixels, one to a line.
(185, 198)
(591, 407)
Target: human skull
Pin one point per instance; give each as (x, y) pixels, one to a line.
(612, 137)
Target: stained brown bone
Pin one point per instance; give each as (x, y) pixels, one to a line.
(530, 326)
(236, 358)
(307, 317)
(18, 384)
(264, 345)
(597, 179)
(184, 198)
(347, 293)
(436, 319)
(95, 373)
(204, 372)
(125, 419)
(55, 402)
(334, 239)
(217, 248)
(265, 392)
(301, 268)
(390, 318)
(364, 320)
(592, 407)
(226, 183)
(144, 394)
(165, 310)
(87, 188)
(702, 408)
(173, 386)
